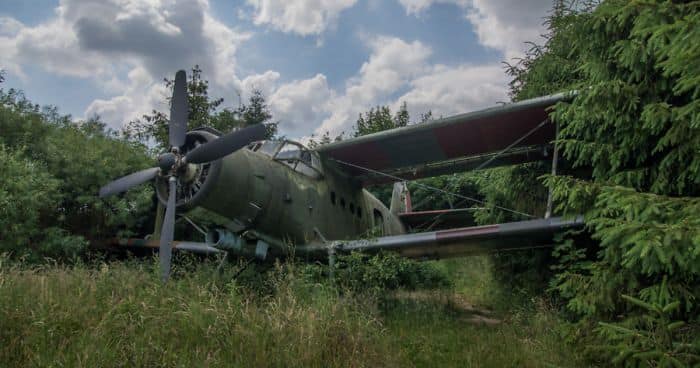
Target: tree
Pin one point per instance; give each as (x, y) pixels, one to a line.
(325, 138)
(53, 168)
(203, 112)
(379, 118)
(633, 130)
(257, 112)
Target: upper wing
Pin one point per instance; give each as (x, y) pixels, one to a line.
(454, 144)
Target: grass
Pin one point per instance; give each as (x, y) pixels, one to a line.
(119, 314)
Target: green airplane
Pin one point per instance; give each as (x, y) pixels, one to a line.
(278, 198)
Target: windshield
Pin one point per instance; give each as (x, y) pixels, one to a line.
(299, 158)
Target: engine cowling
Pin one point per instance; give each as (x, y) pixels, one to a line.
(195, 180)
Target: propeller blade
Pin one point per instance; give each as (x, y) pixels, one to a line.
(226, 144)
(129, 181)
(178, 111)
(167, 232)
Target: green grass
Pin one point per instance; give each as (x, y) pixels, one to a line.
(119, 314)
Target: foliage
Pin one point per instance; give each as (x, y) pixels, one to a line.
(633, 130)
(653, 337)
(325, 138)
(203, 112)
(363, 273)
(379, 118)
(54, 168)
(119, 314)
(29, 198)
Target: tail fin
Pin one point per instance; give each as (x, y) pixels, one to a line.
(400, 199)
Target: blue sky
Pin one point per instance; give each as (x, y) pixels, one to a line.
(319, 62)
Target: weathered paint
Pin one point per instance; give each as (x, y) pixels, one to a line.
(465, 241)
(443, 142)
(259, 196)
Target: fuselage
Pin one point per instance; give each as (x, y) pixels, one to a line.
(290, 194)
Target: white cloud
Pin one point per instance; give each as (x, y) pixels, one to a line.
(416, 7)
(99, 40)
(504, 25)
(265, 83)
(9, 26)
(451, 90)
(507, 24)
(391, 65)
(301, 104)
(303, 17)
(51, 45)
(149, 39)
(139, 95)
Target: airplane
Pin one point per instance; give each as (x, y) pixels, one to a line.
(276, 199)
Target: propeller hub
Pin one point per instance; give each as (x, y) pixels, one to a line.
(167, 162)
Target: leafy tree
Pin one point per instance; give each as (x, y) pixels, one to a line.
(325, 138)
(67, 163)
(633, 131)
(257, 112)
(203, 112)
(379, 118)
(426, 117)
(201, 107)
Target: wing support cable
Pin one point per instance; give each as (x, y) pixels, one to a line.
(484, 164)
(429, 187)
(510, 146)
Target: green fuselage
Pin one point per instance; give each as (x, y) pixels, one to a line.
(300, 200)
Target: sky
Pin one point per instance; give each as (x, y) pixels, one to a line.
(319, 63)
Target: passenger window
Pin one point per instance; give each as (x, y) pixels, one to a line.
(333, 198)
(352, 208)
(342, 202)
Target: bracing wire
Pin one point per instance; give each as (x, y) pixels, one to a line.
(501, 152)
(481, 166)
(429, 187)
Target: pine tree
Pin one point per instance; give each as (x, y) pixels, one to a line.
(633, 130)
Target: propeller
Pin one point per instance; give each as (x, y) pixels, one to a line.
(178, 111)
(125, 183)
(174, 163)
(226, 145)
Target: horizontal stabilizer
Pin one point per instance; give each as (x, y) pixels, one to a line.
(438, 219)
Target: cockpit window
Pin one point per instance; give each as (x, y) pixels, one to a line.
(269, 147)
(299, 158)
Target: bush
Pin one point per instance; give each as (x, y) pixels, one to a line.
(29, 202)
(52, 170)
(360, 273)
(634, 131)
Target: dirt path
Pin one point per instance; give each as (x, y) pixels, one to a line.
(450, 300)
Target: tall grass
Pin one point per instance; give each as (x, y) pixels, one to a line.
(119, 314)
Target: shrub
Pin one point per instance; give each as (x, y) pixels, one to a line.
(633, 130)
(359, 272)
(29, 201)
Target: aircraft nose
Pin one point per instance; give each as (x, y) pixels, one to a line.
(231, 194)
